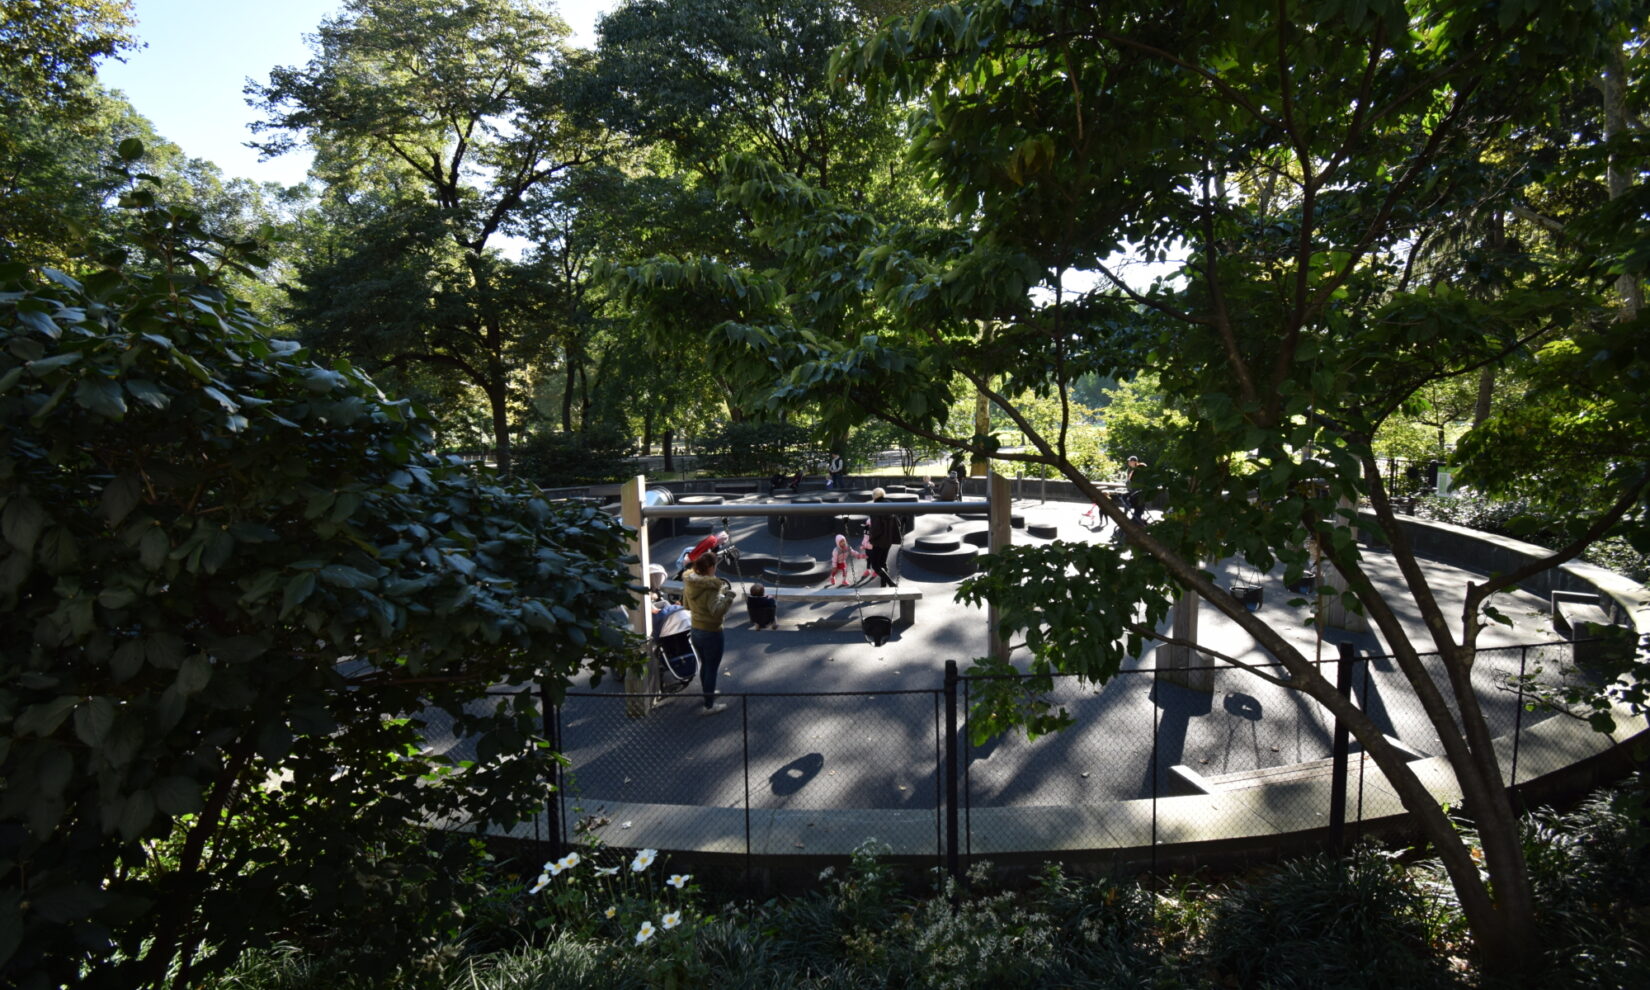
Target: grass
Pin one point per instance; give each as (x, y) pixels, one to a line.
(1375, 919)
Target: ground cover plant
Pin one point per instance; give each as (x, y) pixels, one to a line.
(1376, 918)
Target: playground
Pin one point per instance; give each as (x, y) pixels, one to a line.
(831, 739)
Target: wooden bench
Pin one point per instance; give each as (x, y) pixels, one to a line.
(907, 598)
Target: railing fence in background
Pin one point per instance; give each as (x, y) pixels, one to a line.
(868, 753)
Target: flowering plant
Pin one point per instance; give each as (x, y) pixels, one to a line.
(625, 902)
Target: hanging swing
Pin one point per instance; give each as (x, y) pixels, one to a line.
(875, 627)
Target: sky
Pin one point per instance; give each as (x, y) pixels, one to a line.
(199, 54)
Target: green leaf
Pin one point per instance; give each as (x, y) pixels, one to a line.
(148, 393)
(39, 322)
(193, 674)
(101, 396)
(154, 547)
(130, 150)
(297, 590)
(21, 522)
(43, 719)
(93, 720)
(347, 577)
(120, 497)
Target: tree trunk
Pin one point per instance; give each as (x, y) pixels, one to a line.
(1486, 392)
(567, 389)
(666, 441)
(497, 400)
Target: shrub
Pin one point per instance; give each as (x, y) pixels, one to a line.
(758, 449)
(596, 455)
(1354, 922)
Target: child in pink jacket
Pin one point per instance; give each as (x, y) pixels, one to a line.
(840, 553)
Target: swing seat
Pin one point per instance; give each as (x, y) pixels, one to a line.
(1251, 596)
(877, 628)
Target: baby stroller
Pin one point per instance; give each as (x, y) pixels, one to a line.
(675, 663)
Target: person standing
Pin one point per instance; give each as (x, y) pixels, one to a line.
(1136, 497)
(707, 598)
(838, 479)
(885, 532)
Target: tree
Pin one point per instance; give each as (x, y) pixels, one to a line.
(1288, 154)
(232, 584)
(448, 118)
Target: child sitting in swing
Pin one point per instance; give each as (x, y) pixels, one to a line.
(762, 607)
(840, 553)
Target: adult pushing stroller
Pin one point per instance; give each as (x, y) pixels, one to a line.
(674, 662)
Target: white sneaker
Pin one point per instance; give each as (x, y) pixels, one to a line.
(713, 709)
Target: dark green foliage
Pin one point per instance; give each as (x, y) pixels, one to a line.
(553, 460)
(232, 584)
(758, 449)
(1534, 522)
(1321, 922)
(1590, 870)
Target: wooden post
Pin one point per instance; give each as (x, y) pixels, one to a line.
(1001, 535)
(641, 617)
(1181, 664)
(1332, 611)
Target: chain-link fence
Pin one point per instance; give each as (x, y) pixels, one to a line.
(1148, 762)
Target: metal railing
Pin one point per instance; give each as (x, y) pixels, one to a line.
(1148, 763)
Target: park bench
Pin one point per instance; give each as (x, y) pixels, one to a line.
(906, 597)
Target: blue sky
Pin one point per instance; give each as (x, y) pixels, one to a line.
(199, 54)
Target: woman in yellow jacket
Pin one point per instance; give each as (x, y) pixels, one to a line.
(707, 598)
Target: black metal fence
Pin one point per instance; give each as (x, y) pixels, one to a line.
(1149, 762)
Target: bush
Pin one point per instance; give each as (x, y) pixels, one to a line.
(758, 449)
(556, 460)
(1524, 520)
(1322, 922)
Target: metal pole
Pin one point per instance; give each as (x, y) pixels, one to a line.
(550, 716)
(1156, 711)
(1518, 716)
(1363, 763)
(745, 741)
(951, 839)
(1337, 780)
(963, 744)
(939, 784)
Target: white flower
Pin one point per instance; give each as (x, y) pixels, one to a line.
(643, 860)
(671, 920)
(568, 861)
(679, 880)
(554, 869)
(606, 871)
(644, 933)
(610, 912)
(544, 881)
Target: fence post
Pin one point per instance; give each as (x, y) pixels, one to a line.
(951, 832)
(745, 744)
(550, 716)
(1337, 780)
(1518, 719)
